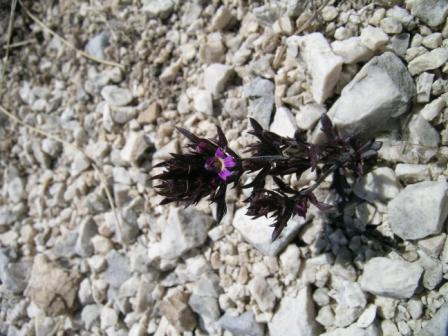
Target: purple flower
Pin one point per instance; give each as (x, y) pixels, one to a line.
(219, 163)
(206, 171)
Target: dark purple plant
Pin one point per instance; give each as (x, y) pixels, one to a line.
(211, 166)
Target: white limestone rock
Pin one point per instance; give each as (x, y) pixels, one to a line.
(96, 45)
(409, 172)
(216, 77)
(290, 260)
(203, 102)
(116, 96)
(258, 232)
(243, 325)
(367, 317)
(309, 115)
(430, 111)
(379, 184)
(324, 66)
(158, 8)
(438, 325)
(204, 299)
(381, 91)
(424, 86)
(295, 316)
(419, 210)
(284, 123)
(183, 230)
(428, 61)
(136, 145)
(348, 294)
(352, 50)
(431, 12)
(354, 331)
(391, 278)
(262, 293)
(87, 230)
(373, 38)
(391, 26)
(222, 18)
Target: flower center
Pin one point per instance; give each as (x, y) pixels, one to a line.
(220, 164)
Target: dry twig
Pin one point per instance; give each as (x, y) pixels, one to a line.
(67, 43)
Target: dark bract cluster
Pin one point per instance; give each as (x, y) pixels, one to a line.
(210, 166)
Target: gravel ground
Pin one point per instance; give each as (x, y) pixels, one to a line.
(98, 87)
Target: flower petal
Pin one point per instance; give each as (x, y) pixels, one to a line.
(224, 174)
(229, 162)
(220, 153)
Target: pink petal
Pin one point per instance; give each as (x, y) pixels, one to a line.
(229, 162)
(224, 174)
(219, 153)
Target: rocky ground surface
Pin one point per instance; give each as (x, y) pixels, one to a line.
(67, 266)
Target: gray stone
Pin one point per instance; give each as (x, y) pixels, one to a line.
(242, 325)
(184, 230)
(438, 325)
(216, 77)
(284, 123)
(116, 96)
(236, 108)
(158, 8)
(87, 230)
(399, 44)
(324, 66)
(433, 271)
(14, 276)
(123, 114)
(431, 12)
(204, 300)
(261, 94)
(428, 61)
(381, 91)
(51, 147)
(391, 278)
(89, 315)
(96, 45)
(380, 184)
(118, 269)
(432, 246)
(80, 163)
(419, 210)
(295, 316)
(258, 232)
(325, 316)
